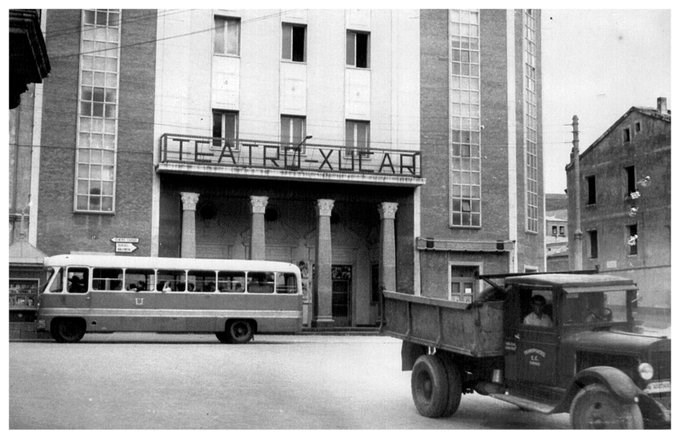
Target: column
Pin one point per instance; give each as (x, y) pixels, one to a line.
(388, 248)
(323, 287)
(257, 243)
(189, 200)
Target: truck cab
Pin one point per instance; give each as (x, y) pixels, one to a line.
(586, 337)
(547, 342)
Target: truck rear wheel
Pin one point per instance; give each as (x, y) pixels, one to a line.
(594, 407)
(429, 386)
(455, 380)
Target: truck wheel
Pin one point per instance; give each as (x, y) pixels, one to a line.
(429, 386)
(594, 407)
(455, 380)
(240, 331)
(68, 330)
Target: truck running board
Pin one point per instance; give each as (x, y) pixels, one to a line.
(524, 403)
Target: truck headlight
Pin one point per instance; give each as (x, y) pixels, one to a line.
(646, 371)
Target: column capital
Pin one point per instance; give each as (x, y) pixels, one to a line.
(324, 206)
(387, 210)
(258, 204)
(189, 200)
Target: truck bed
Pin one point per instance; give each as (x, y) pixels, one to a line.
(476, 332)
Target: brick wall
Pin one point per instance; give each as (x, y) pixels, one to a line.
(60, 230)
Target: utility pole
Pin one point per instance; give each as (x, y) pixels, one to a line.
(578, 234)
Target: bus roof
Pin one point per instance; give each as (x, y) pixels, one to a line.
(111, 261)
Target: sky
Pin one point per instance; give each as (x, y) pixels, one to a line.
(596, 65)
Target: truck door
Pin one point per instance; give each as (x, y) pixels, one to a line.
(531, 337)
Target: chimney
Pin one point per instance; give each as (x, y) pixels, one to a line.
(661, 105)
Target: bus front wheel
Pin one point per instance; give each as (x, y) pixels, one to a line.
(240, 331)
(68, 330)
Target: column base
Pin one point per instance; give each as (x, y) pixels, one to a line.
(323, 322)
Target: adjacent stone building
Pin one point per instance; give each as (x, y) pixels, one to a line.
(625, 201)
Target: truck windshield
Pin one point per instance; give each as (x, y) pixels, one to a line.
(595, 307)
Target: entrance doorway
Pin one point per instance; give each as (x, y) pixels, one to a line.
(342, 294)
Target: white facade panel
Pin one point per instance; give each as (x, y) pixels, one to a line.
(293, 91)
(226, 75)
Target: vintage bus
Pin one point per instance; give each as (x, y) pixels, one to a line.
(234, 299)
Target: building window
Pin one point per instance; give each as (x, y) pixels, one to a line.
(357, 136)
(626, 135)
(592, 237)
(632, 239)
(638, 127)
(561, 230)
(531, 122)
(463, 284)
(293, 131)
(464, 96)
(631, 187)
(227, 35)
(98, 111)
(358, 49)
(592, 193)
(225, 128)
(554, 230)
(294, 42)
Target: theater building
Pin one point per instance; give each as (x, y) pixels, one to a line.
(394, 149)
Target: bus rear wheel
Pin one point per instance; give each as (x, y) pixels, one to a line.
(68, 330)
(240, 331)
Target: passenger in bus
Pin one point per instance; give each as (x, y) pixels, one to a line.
(210, 287)
(132, 287)
(76, 285)
(166, 287)
(191, 287)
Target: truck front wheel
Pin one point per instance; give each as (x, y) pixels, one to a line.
(594, 407)
(429, 386)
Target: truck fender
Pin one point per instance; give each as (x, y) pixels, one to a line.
(617, 382)
(410, 353)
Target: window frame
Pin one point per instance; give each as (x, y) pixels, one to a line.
(96, 145)
(462, 281)
(593, 249)
(224, 116)
(288, 35)
(226, 34)
(632, 231)
(352, 49)
(288, 121)
(352, 130)
(591, 182)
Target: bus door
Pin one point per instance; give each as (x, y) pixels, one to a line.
(77, 287)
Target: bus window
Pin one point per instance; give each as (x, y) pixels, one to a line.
(138, 279)
(171, 280)
(259, 282)
(231, 281)
(202, 281)
(108, 279)
(57, 284)
(77, 279)
(286, 283)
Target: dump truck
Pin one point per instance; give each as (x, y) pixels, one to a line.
(585, 354)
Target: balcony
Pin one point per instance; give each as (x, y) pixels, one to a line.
(183, 154)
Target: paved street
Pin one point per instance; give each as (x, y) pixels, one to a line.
(153, 381)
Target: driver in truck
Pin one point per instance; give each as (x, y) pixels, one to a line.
(537, 317)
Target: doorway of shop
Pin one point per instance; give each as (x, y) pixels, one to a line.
(342, 294)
